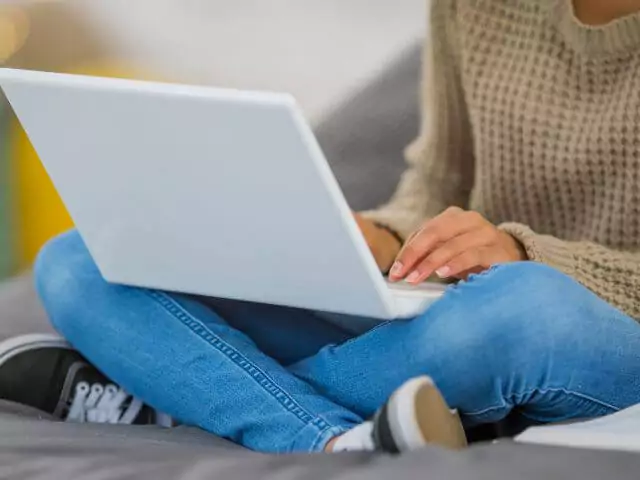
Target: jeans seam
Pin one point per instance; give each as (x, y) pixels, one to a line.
(358, 337)
(542, 391)
(261, 377)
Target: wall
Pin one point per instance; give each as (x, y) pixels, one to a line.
(319, 50)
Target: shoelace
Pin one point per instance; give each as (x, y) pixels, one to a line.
(99, 403)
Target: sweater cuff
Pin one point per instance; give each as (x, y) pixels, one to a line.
(544, 248)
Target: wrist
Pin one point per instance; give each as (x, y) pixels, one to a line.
(393, 233)
(519, 250)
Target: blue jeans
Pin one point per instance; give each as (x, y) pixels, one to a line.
(519, 337)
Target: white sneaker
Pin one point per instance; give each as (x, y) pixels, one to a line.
(415, 416)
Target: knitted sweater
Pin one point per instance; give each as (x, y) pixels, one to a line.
(533, 119)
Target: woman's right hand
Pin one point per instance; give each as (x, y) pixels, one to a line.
(384, 246)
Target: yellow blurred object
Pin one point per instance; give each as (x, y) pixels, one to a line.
(14, 30)
(40, 212)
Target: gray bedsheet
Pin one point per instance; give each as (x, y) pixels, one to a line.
(31, 448)
(364, 142)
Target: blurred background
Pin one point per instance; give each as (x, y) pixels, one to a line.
(321, 51)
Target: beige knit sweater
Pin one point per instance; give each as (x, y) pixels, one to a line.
(533, 119)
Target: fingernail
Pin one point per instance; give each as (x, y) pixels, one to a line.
(443, 272)
(396, 269)
(414, 277)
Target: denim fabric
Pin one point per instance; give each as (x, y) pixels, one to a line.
(519, 336)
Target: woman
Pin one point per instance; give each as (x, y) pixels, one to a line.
(526, 175)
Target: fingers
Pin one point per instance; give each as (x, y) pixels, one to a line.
(438, 231)
(465, 249)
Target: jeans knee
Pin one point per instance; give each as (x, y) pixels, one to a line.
(529, 292)
(531, 282)
(63, 271)
(511, 317)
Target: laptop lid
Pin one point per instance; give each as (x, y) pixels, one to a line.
(205, 191)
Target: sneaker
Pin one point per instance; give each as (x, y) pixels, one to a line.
(46, 373)
(415, 416)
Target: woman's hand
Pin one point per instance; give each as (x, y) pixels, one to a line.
(453, 245)
(382, 243)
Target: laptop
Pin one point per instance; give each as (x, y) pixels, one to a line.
(206, 191)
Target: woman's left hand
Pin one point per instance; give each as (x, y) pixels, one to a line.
(454, 244)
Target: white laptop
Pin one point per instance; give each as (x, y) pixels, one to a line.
(205, 191)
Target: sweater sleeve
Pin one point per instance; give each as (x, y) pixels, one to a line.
(441, 166)
(613, 275)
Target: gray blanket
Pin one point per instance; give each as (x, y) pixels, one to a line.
(31, 447)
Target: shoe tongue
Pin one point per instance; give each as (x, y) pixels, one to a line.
(81, 371)
(74, 370)
(78, 372)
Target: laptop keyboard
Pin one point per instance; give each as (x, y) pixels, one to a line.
(404, 289)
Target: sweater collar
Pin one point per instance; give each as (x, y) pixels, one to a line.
(617, 37)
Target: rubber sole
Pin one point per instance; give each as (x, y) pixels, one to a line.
(418, 416)
(17, 345)
(439, 425)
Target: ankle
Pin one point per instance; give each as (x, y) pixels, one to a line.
(329, 447)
